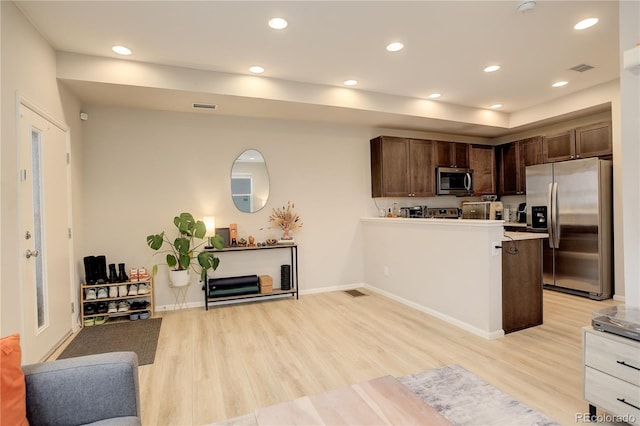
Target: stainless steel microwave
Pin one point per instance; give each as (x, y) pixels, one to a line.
(454, 181)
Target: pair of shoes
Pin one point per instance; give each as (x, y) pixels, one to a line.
(102, 293)
(90, 308)
(134, 316)
(123, 306)
(101, 320)
(88, 322)
(122, 290)
(90, 294)
(143, 274)
(113, 308)
(133, 290)
(139, 305)
(113, 291)
(145, 315)
(143, 289)
(102, 307)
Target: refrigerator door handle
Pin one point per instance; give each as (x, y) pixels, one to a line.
(556, 221)
(550, 214)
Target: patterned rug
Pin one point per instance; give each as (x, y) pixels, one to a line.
(465, 399)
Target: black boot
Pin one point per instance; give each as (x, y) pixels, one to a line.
(90, 270)
(123, 275)
(113, 275)
(101, 269)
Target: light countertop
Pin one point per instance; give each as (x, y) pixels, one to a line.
(518, 236)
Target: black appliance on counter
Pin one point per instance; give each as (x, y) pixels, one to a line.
(521, 213)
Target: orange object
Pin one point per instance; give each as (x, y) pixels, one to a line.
(13, 410)
(233, 234)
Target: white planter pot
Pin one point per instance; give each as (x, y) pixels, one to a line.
(179, 278)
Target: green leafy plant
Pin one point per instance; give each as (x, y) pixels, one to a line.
(183, 251)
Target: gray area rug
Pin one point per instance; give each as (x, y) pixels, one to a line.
(139, 336)
(465, 399)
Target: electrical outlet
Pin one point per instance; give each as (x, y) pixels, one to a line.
(495, 248)
(385, 271)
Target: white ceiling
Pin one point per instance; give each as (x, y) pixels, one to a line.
(447, 45)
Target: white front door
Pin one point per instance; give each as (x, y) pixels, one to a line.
(45, 235)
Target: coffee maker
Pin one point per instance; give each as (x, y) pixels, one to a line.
(521, 213)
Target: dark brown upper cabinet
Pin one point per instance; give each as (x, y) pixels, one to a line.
(593, 140)
(482, 161)
(452, 154)
(402, 167)
(512, 160)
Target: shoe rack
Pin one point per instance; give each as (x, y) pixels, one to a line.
(123, 295)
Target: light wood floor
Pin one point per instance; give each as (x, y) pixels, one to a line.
(231, 360)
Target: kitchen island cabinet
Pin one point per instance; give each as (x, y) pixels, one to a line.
(521, 283)
(447, 268)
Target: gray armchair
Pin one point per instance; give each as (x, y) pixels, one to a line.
(96, 389)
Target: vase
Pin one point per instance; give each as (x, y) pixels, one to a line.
(179, 278)
(286, 234)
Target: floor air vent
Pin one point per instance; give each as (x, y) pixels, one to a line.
(355, 293)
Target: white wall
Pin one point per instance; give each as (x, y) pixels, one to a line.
(143, 167)
(28, 68)
(630, 111)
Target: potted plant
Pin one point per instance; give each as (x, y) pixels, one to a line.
(183, 251)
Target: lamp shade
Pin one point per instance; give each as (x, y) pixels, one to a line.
(210, 223)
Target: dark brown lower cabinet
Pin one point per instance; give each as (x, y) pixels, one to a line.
(521, 284)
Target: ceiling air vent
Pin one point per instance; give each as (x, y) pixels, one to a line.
(582, 68)
(198, 105)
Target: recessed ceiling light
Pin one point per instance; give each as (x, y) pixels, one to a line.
(350, 82)
(492, 68)
(585, 23)
(560, 83)
(526, 5)
(278, 23)
(256, 69)
(495, 106)
(395, 46)
(121, 50)
(434, 96)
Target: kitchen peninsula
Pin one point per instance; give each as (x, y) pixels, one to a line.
(448, 268)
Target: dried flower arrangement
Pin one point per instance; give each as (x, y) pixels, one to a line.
(285, 219)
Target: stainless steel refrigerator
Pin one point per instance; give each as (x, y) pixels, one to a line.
(572, 202)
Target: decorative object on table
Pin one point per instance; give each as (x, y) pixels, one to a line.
(233, 234)
(271, 242)
(242, 242)
(266, 284)
(252, 241)
(287, 220)
(285, 277)
(182, 251)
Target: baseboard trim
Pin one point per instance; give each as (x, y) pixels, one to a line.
(446, 318)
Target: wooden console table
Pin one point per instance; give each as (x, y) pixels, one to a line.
(293, 291)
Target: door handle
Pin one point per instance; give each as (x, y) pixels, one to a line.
(556, 221)
(550, 215)
(29, 254)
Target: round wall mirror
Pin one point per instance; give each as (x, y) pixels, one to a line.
(249, 181)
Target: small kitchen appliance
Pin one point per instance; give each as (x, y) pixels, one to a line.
(442, 213)
(483, 210)
(454, 181)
